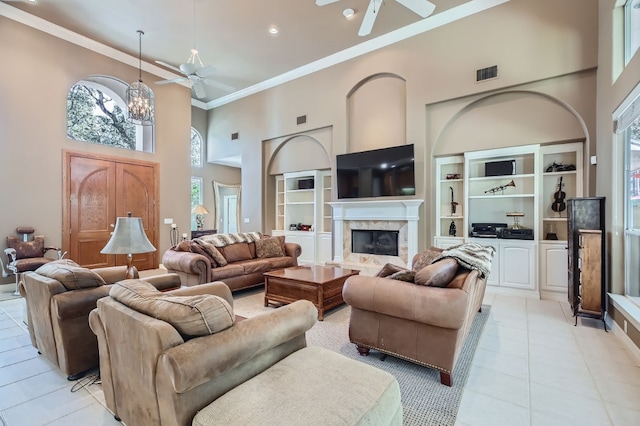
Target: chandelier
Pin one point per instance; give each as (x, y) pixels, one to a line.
(140, 106)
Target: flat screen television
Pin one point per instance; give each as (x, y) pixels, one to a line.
(381, 172)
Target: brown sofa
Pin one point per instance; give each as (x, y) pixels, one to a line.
(421, 323)
(58, 312)
(244, 266)
(240, 372)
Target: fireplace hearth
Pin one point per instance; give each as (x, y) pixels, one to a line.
(371, 241)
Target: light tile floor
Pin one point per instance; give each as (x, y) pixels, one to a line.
(531, 367)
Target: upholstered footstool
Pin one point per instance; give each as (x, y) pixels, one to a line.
(310, 386)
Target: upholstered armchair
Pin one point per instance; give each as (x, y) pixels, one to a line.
(24, 255)
(59, 297)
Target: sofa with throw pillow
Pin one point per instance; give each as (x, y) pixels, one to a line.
(240, 260)
(59, 296)
(183, 358)
(423, 314)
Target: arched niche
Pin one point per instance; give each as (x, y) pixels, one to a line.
(509, 119)
(376, 113)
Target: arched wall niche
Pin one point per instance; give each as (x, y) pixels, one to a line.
(310, 150)
(508, 119)
(376, 113)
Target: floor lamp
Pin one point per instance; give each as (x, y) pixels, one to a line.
(128, 238)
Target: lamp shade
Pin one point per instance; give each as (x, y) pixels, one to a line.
(199, 209)
(128, 238)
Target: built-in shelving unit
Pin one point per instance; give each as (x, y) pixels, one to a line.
(527, 186)
(302, 202)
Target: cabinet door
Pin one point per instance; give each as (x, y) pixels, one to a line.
(307, 241)
(517, 265)
(445, 243)
(554, 264)
(325, 245)
(494, 276)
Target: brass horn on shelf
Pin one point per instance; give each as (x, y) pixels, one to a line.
(500, 187)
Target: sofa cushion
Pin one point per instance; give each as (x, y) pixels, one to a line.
(197, 315)
(212, 252)
(437, 274)
(281, 262)
(425, 258)
(405, 275)
(389, 269)
(254, 265)
(268, 247)
(236, 252)
(71, 275)
(227, 271)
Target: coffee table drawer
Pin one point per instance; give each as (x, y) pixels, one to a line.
(289, 291)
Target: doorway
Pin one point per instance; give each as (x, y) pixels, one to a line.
(97, 190)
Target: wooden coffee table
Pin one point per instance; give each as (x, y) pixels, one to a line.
(321, 285)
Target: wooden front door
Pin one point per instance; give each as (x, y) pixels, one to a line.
(99, 189)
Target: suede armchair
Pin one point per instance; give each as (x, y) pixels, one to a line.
(422, 324)
(59, 317)
(151, 375)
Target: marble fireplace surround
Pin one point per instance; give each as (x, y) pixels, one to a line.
(392, 215)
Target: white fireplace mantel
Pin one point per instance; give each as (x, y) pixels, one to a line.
(396, 210)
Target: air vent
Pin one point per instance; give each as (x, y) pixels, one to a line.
(301, 120)
(235, 136)
(487, 73)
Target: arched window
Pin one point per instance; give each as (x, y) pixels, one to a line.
(196, 148)
(96, 113)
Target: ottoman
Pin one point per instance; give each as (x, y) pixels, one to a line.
(310, 386)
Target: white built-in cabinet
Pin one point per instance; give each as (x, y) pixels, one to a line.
(538, 265)
(302, 198)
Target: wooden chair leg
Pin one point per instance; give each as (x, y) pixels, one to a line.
(445, 378)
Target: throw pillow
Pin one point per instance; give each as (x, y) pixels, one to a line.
(212, 251)
(406, 275)
(268, 247)
(237, 252)
(182, 246)
(437, 274)
(197, 248)
(70, 274)
(425, 258)
(197, 315)
(389, 269)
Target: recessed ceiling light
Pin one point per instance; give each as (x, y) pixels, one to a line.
(273, 30)
(348, 13)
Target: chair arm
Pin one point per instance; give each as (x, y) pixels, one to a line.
(113, 274)
(203, 359)
(292, 249)
(77, 303)
(441, 307)
(164, 282)
(190, 263)
(217, 288)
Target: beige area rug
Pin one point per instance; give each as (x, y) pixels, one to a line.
(425, 401)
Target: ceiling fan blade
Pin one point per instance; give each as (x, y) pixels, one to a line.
(423, 8)
(171, 67)
(323, 2)
(206, 71)
(369, 17)
(188, 68)
(173, 80)
(219, 85)
(198, 89)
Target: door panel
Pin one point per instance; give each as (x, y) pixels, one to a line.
(135, 194)
(92, 207)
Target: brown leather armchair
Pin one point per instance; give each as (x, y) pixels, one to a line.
(59, 317)
(24, 255)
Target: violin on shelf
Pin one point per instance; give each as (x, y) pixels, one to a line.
(559, 205)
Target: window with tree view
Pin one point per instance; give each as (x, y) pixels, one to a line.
(96, 113)
(196, 197)
(632, 210)
(196, 148)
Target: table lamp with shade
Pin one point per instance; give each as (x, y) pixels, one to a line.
(128, 238)
(199, 210)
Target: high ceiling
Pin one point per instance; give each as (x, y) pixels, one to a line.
(232, 35)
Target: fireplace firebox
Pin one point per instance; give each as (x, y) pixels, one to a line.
(374, 242)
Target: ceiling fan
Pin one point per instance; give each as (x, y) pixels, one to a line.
(195, 72)
(423, 8)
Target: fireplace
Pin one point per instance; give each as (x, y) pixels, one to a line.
(373, 241)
